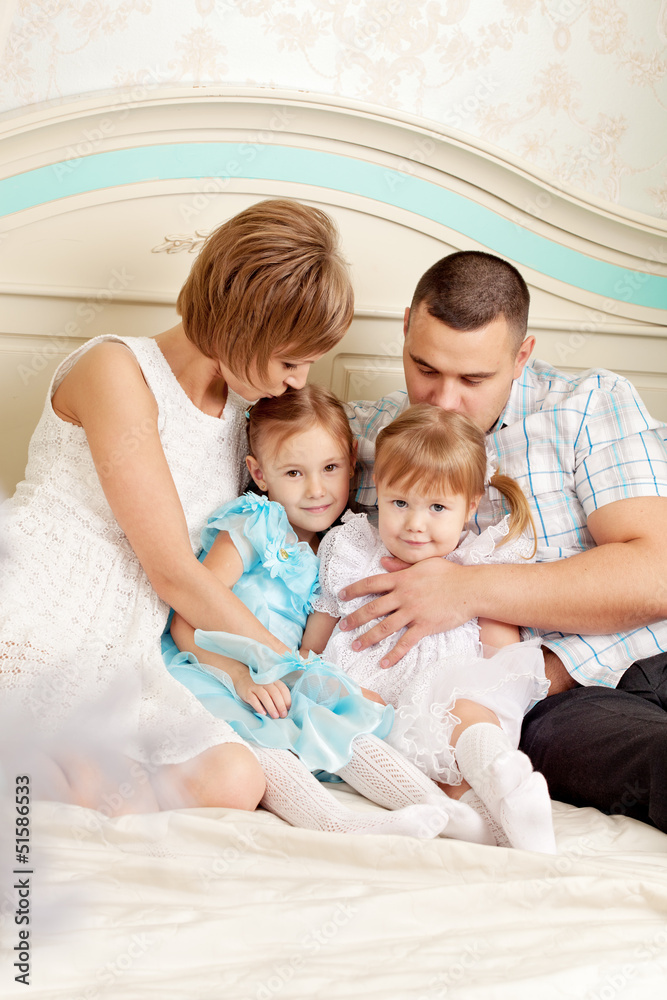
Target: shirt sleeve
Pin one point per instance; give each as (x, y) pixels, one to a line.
(620, 451)
(367, 420)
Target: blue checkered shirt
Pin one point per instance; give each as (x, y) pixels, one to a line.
(573, 443)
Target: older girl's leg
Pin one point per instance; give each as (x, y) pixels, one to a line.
(385, 776)
(295, 795)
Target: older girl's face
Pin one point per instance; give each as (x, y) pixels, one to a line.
(284, 371)
(309, 475)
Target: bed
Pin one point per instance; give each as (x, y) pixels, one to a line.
(103, 202)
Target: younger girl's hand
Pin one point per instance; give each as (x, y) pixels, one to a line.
(272, 699)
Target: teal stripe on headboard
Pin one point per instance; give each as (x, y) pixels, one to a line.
(339, 173)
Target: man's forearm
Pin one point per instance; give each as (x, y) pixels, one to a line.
(610, 588)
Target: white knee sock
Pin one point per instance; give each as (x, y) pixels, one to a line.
(472, 799)
(295, 795)
(385, 776)
(503, 777)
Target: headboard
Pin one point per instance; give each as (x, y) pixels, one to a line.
(103, 201)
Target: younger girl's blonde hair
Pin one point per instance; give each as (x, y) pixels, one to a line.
(432, 450)
(274, 419)
(270, 279)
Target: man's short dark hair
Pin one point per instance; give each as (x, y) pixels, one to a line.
(467, 290)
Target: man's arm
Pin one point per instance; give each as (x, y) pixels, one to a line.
(619, 585)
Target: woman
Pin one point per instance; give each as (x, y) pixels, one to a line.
(139, 440)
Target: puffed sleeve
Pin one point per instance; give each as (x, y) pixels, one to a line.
(490, 547)
(344, 554)
(248, 519)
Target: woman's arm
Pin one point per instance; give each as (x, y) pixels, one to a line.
(106, 394)
(224, 561)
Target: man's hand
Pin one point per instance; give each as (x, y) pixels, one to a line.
(424, 598)
(272, 699)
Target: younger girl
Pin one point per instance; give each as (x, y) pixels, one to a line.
(458, 707)
(300, 716)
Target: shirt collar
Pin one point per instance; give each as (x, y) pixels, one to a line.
(516, 406)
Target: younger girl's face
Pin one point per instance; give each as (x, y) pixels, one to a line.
(309, 475)
(416, 526)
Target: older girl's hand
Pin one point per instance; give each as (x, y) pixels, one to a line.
(265, 699)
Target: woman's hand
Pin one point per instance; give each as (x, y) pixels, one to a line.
(425, 598)
(265, 699)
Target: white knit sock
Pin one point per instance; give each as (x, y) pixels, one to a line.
(295, 795)
(472, 799)
(385, 776)
(503, 777)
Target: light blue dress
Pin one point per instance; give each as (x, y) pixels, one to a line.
(280, 577)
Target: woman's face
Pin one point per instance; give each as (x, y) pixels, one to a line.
(284, 370)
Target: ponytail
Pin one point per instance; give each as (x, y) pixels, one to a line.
(520, 516)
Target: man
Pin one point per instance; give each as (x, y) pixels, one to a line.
(593, 465)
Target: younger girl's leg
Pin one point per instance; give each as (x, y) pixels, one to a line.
(503, 778)
(295, 795)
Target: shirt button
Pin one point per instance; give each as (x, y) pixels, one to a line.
(283, 553)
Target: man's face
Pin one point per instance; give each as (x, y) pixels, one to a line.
(470, 372)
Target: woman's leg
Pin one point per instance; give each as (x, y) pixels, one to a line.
(228, 775)
(503, 778)
(295, 795)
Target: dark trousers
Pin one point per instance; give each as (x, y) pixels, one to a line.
(606, 748)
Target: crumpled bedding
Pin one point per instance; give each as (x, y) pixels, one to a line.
(216, 903)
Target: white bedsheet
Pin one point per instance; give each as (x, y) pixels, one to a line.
(215, 903)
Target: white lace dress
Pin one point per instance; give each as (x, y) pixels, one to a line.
(424, 685)
(80, 624)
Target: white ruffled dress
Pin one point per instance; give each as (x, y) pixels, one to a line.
(424, 686)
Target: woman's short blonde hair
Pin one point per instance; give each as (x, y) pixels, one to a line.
(271, 278)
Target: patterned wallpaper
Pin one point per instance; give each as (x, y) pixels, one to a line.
(575, 88)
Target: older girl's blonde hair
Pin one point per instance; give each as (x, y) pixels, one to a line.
(270, 279)
(431, 450)
(273, 420)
